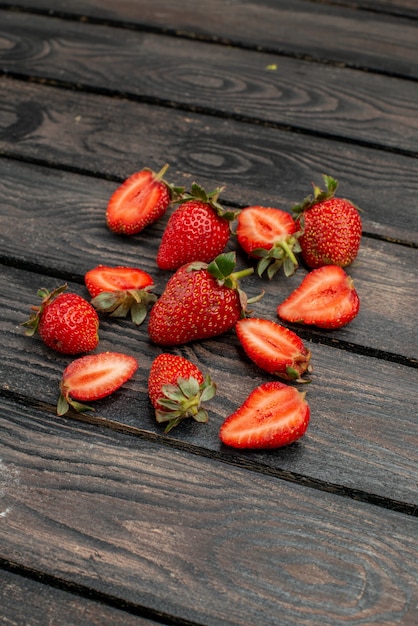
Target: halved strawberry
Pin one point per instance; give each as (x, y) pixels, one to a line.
(272, 236)
(273, 415)
(274, 348)
(325, 298)
(93, 377)
(141, 200)
(120, 290)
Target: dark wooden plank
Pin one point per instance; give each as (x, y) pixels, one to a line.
(308, 96)
(363, 409)
(256, 165)
(405, 8)
(70, 238)
(195, 538)
(359, 38)
(24, 601)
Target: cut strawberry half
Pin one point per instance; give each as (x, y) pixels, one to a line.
(270, 235)
(273, 415)
(93, 377)
(120, 290)
(325, 298)
(141, 200)
(274, 348)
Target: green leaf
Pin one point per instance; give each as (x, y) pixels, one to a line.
(223, 265)
(189, 387)
(138, 313)
(62, 405)
(201, 416)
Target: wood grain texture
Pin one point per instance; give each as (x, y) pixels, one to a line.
(71, 218)
(220, 79)
(363, 433)
(359, 38)
(196, 538)
(257, 165)
(24, 601)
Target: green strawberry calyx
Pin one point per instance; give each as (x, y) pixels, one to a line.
(281, 254)
(65, 402)
(198, 193)
(319, 195)
(183, 400)
(120, 303)
(47, 297)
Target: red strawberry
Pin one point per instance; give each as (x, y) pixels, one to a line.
(326, 298)
(270, 235)
(93, 377)
(177, 389)
(141, 200)
(199, 301)
(273, 415)
(120, 290)
(66, 322)
(198, 230)
(274, 348)
(331, 227)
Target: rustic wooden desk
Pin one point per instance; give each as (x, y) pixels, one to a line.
(103, 519)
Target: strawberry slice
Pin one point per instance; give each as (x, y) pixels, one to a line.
(119, 278)
(141, 200)
(93, 377)
(120, 290)
(273, 415)
(274, 348)
(325, 298)
(270, 235)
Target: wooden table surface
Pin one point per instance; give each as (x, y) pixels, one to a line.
(103, 518)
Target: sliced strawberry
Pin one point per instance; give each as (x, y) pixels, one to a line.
(274, 348)
(273, 415)
(141, 200)
(325, 298)
(120, 290)
(119, 278)
(93, 377)
(272, 236)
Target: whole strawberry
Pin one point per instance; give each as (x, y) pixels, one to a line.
(198, 230)
(65, 322)
(177, 388)
(199, 301)
(331, 227)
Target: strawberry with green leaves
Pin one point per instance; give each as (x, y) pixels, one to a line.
(65, 322)
(177, 389)
(331, 227)
(198, 230)
(121, 290)
(274, 348)
(270, 235)
(199, 301)
(325, 298)
(93, 377)
(141, 200)
(273, 415)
